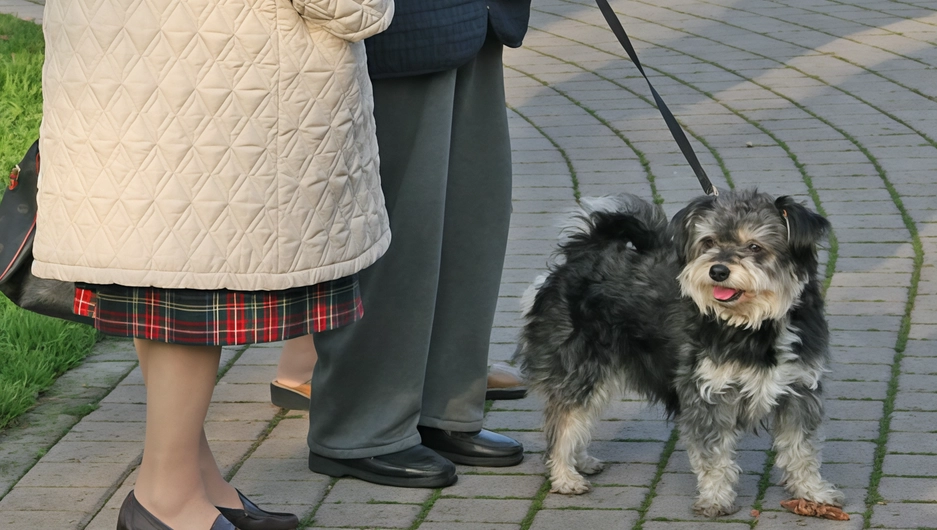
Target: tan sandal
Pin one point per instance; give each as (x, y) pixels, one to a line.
(505, 382)
(290, 397)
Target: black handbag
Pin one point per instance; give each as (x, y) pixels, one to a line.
(17, 230)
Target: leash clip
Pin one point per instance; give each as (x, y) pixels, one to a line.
(787, 223)
(14, 177)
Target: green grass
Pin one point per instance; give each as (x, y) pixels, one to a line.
(21, 57)
(34, 350)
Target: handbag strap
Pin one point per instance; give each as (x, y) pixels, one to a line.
(672, 124)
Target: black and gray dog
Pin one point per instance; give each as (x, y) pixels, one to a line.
(716, 315)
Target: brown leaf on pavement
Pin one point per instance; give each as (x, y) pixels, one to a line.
(815, 509)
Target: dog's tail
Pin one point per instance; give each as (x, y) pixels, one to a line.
(623, 219)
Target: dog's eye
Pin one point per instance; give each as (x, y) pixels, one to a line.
(707, 243)
(754, 249)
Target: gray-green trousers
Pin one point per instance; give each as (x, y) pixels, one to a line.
(419, 355)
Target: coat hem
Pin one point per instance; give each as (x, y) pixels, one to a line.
(253, 281)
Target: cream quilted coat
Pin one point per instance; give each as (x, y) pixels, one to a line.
(209, 144)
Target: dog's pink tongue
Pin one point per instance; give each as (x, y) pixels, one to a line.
(723, 293)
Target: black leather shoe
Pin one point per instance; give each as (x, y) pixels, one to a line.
(133, 516)
(254, 518)
(479, 448)
(416, 467)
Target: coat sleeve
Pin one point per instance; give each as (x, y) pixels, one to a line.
(351, 20)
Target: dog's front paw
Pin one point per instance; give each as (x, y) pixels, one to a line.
(820, 491)
(828, 494)
(713, 510)
(590, 465)
(570, 486)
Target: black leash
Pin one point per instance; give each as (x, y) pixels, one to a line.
(672, 124)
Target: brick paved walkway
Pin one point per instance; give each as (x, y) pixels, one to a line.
(834, 101)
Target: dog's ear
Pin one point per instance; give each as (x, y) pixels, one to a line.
(805, 228)
(683, 224)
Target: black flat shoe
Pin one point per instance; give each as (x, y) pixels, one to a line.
(480, 448)
(133, 516)
(416, 467)
(254, 518)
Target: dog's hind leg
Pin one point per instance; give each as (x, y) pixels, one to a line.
(568, 429)
(798, 455)
(587, 463)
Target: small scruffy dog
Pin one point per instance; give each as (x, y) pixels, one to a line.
(716, 315)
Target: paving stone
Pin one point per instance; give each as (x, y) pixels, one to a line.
(479, 510)
(918, 465)
(916, 401)
(850, 431)
(680, 507)
(848, 452)
(606, 497)
(29, 520)
(282, 448)
(25, 498)
(789, 520)
(633, 430)
(273, 492)
(100, 451)
(843, 409)
(70, 474)
(105, 431)
(118, 412)
(749, 461)
(643, 452)
(228, 454)
(531, 465)
(852, 389)
(126, 393)
(500, 486)
(630, 474)
(235, 430)
(241, 392)
(682, 525)
(904, 515)
(366, 515)
(449, 525)
(358, 491)
(912, 442)
(898, 489)
(913, 421)
(846, 475)
(241, 411)
(917, 382)
(284, 469)
(113, 349)
(567, 519)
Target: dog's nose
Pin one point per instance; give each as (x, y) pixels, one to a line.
(719, 272)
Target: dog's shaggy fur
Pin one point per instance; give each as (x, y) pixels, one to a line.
(716, 315)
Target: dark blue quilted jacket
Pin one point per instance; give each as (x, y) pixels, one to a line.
(435, 35)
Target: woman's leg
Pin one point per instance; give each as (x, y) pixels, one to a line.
(297, 361)
(220, 493)
(179, 382)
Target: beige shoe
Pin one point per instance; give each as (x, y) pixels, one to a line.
(505, 382)
(290, 397)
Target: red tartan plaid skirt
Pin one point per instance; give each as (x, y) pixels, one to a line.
(222, 317)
